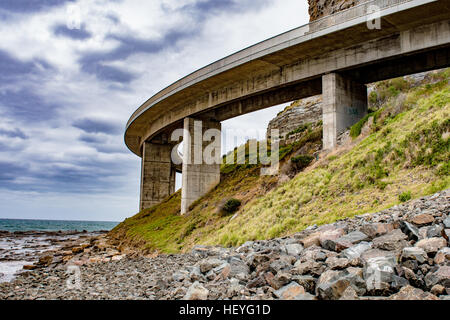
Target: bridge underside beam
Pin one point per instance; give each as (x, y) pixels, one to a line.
(344, 104)
(157, 174)
(199, 176)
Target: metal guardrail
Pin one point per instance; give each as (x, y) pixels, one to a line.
(305, 31)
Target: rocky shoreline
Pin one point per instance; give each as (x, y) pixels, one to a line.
(396, 254)
(29, 250)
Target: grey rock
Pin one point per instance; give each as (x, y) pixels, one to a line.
(195, 273)
(440, 276)
(446, 222)
(411, 293)
(410, 230)
(239, 268)
(443, 256)
(196, 292)
(333, 284)
(356, 250)
(307, 282)
(294, 249)
(379, 273)
(209, 264)
(290, 291)
(434, 231)
(337, 263)
(349, 240)
(309, 267)
(394, 240)
(414, 253)
(431, 245)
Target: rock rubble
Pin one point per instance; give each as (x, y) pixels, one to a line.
(399, 253)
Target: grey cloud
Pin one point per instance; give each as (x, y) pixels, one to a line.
(75, 34)
(97, 126)
(13, 133)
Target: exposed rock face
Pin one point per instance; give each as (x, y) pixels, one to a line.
(322, 8)
(300, 112)
(372, 256)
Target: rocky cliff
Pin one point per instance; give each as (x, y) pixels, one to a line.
(300, 112)
(321, 8)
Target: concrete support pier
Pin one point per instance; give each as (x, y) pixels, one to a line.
(344, 104)
(157, 174)
(201, 159)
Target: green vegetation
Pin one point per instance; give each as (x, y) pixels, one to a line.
(404, 196)
(230, 206)
(408, 148)
(302, 161)
(300, 129)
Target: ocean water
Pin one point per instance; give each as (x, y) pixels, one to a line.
(55, 225)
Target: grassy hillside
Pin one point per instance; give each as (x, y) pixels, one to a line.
(400, 151)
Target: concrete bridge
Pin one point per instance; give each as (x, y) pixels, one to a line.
(335, 56)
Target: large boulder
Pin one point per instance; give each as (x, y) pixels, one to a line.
(414, 253)
(357, 250)
(309, 267)
(238, 268)
(209, 264)
(374, 230)
(446, 223)
(411, 293)
(379, 272)
(327, 238)
(337, 263)
(196, 292)
(333, 284)
(290, 291)
(422, 219)
(441, 276)
(443, 256)
(409, 229)
(394, 240)
(349, 240)
(293, 249)
(432, 245)
(307, 282)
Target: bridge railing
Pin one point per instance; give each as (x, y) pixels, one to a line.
(306, 30)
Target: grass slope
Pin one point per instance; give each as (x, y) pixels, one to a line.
(405, 151)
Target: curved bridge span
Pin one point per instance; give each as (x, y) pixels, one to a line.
(335, 56)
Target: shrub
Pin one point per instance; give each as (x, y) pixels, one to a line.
(302, 161)
(404, 196)
(300, 129)
(229, 206)
(373, 97)
(355, 130)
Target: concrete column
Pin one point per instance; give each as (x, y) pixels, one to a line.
(344, 104)
(157, 174)
(201, 173)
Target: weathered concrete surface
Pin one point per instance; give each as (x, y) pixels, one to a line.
(157, 174)
(201, 160)
(321, 8)
(415, 37)
(344, 104)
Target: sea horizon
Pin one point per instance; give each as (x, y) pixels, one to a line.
(51, 225)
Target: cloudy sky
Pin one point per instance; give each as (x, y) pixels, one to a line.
(73, 71)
